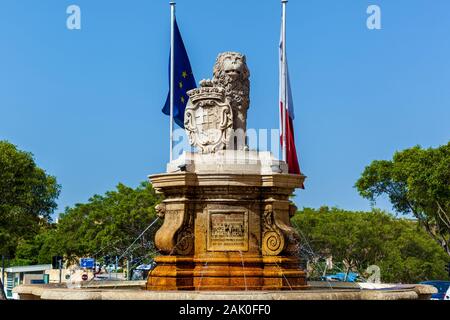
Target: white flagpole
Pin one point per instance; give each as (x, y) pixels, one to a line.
(283, 79)
(172, 68)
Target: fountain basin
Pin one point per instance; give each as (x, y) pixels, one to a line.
(133, 290)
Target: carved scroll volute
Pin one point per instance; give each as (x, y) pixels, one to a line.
(273, 241)
(185, 237)
(278, 234)
(173, 236)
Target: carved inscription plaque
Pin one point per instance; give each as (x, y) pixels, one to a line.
(227, 230)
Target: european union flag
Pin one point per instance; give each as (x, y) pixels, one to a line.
(183, 80)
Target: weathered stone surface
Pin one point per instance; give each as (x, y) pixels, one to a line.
(132, 292)
(235, 226)
(216, 113)
(228, 161)
(226, 209)
(209, 119)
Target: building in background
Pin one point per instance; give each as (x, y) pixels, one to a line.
(18, 275)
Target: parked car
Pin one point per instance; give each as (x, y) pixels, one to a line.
(112, 268)
(137, 275)
(443, 289)
(351, 277)
(447, 295)
(141, 272)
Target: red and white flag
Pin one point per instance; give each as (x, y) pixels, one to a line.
(287, 115)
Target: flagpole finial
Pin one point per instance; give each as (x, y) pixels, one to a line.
(284, 1)
(172, 3)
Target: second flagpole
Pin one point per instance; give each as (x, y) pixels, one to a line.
(172, 68)
(283, 79)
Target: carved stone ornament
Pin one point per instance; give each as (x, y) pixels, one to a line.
(185, 242)
(208, 119)
(176, 235)
(185, 236)
(273, 242)
(292, 210)
(216, 112)
(231, 73)
(160, 210)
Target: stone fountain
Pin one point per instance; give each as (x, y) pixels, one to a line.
(226, 209)
(226, 218)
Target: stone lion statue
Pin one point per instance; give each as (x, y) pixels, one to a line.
(231, 73)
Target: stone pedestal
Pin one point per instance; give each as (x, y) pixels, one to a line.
(227, 224)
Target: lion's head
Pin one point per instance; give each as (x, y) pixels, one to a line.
(233, 65)
(231, 72)
(160, 210)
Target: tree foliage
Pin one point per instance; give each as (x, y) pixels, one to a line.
(417, 182)
(105, 225)
(403, 251)
(27, 197)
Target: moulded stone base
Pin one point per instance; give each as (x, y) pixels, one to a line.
(226, 274)
(227, 224)
(171, 273)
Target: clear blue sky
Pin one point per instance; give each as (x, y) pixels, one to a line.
(87, 103)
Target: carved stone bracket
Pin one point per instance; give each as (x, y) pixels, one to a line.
(185, 237)
(175, 235)
(273, 241)
(292, 210)
(185, 242)
(278, 234)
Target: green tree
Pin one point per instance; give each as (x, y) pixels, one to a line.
(38, 250)
(27, 197)
(402, 250)
(411, 255)
(417, 182)
(106, 225)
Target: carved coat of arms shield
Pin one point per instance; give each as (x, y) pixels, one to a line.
(208, 119)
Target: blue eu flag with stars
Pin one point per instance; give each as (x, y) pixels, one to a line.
(183, 80)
